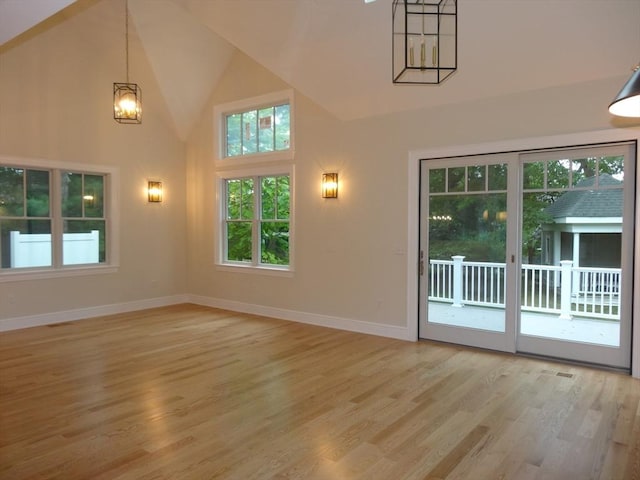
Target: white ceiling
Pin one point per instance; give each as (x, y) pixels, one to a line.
(338, 52)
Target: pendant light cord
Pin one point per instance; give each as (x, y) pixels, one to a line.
(126, 35)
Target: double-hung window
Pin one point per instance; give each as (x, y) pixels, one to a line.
(54, 218)
(255, 183)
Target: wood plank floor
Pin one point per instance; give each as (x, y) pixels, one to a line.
(189, 392)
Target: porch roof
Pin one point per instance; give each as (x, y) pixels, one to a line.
(587, 203)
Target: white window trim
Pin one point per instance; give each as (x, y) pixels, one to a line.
(221, 263)
(270, 99)
(112, 219)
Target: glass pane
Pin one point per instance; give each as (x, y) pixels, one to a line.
(234, 135)
(37, 193)
(11, 192)
(437, 180)
(614, 166)
(572, 262)
(239, 241)
(269, 196)
(466, 260)
(234, 199)
(582, 169)
(265, 130)
(282, 126)
(497, 177)
(25, 243)
(83, 242)
(476, 178)
(283, 197)
(249, 132)
(93, 196)
(240, 199)
(247, 199)
(71, 191)
(533, 177)
(536, 209)
(275, 243)
(456, 179)
(558, 174)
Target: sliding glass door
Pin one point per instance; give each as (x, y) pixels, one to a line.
(465, 273)
(530, 252)
(577, 236)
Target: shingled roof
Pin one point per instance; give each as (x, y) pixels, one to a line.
(605, 202)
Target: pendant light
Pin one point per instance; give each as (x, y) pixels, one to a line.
(627, 102)
(127, 97)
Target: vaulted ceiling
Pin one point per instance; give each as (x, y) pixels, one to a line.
(338, 52)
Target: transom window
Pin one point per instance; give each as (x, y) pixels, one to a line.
(258, 130)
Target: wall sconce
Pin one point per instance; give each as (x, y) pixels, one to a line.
(329, 185)
(154, 190)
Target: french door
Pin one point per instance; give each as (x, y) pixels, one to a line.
(528, 252)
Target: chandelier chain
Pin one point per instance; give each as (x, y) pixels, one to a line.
(126, 35)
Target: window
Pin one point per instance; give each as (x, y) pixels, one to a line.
(255, 207)
(257, 221)
(53, 219)
(258, 130)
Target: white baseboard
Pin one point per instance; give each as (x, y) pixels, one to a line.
(339, 323)
(359, 326)
(15, 323)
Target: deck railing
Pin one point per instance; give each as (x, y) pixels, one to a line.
(564, 289)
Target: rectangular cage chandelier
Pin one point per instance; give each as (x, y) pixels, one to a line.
(425, 40)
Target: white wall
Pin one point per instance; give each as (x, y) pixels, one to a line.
(55, 104)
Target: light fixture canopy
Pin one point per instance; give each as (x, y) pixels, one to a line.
(329, 185)
(127, 97)
(154, 191)
(424, 40)
(627, 102)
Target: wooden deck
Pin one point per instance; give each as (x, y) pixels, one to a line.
(189, 392)
(548, 325)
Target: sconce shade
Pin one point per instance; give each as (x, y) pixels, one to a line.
(154, 190)
(329, 185)
(627, 102)
(127, 103)
(424, 41)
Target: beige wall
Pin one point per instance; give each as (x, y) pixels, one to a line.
(55, 104)
(350, 257)
(351, 253)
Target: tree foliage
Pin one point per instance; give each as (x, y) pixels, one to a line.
(473, 223)
(272, 222)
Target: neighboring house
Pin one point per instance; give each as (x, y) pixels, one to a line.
(587, 225)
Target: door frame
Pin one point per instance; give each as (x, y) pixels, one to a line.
(514, 145)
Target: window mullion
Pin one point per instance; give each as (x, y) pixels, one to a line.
(55, 215)
(257, 217)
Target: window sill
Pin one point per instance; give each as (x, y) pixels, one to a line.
(252, 269)
(19, 275)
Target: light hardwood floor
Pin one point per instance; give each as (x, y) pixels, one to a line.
(189, 392)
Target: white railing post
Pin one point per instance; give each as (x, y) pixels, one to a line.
(565, 289)
(457, 280)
